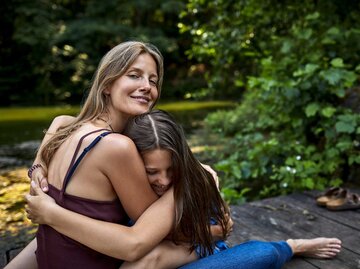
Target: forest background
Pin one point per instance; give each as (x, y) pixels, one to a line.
(291, 67)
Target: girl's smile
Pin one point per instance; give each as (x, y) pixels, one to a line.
(158, 168)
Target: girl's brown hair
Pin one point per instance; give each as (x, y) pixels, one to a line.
(196, 195)
(113, 65)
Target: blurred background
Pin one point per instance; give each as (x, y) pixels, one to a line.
(268, 91)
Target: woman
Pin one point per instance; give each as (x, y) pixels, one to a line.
(103, 181)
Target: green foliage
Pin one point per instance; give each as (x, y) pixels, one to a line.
(296, 127)
(52, 48)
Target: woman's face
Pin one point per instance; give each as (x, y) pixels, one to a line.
(136, 91)
(159, 169)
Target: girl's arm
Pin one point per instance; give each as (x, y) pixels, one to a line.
(164, 256)
(120, 161)
(126, 243)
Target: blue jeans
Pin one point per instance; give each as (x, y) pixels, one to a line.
(249, 255)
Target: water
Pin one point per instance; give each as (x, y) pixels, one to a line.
(19, 140)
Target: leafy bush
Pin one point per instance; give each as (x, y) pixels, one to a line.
(297, 125)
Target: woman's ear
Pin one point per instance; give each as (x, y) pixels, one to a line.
(106, 91)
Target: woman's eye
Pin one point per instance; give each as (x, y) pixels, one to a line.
(133, 76)
(150, 172)
(153, 82)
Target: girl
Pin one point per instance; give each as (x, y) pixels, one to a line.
(164, 150)
(169, 162)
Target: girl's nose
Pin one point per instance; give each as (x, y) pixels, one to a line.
(165, 180)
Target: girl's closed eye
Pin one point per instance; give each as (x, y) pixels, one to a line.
(151, 172)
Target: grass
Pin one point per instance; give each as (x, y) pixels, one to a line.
(47, 113)
(35, 113)
(191, 105)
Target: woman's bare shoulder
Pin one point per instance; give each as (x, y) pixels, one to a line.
(118, 143)
(63, 120)
(60, 121)
(115, 148)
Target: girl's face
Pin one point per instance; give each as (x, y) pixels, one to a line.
(159, 169)
(136, 91)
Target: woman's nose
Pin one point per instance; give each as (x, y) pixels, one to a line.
(145, 85)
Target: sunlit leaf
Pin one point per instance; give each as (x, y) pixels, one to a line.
(311, 109)
(328, 111)
(337, 62)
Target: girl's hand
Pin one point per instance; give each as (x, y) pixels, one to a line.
(39, 176)
(39, 205)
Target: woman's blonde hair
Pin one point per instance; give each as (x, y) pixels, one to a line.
(113, 65)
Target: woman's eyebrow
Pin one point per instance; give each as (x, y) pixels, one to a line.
(136, 69)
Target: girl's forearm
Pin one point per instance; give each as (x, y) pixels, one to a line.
(108, 238)
(122, 242)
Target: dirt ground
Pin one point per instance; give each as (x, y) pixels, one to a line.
(15, 229)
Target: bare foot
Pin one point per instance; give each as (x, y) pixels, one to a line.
(320, 247)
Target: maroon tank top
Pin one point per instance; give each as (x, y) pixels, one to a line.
(55, 250)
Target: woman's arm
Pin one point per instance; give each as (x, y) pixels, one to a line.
(212, 172)
(126, 243)
(26, 259)
(217, 231)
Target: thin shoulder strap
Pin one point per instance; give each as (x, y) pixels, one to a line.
(78, 160)
(78, 147)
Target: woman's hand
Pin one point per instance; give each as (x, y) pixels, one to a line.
(217, 231)
(39, 205)
(212, 172)
(39, 177)
(229, 225)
